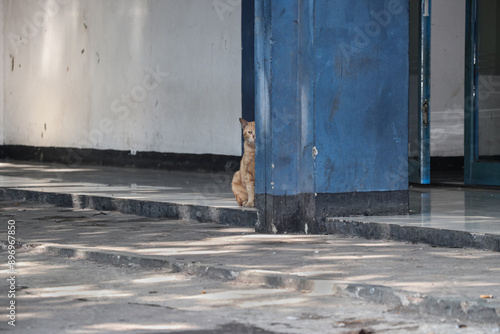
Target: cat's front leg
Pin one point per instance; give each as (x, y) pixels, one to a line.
(251, 194)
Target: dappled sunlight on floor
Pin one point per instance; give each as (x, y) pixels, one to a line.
(120, 327)
(78, 291)
(353, 257)
(157, 279)
(126, 300)
(322, 257)
(183, 251)
(233, 295)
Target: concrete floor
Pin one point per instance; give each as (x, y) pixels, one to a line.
(460, 209)
(405, 277)
(88, 298)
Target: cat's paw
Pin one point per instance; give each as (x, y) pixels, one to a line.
(248, 204)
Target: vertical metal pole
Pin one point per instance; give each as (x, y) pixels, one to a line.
(425, 95)
(470, 79)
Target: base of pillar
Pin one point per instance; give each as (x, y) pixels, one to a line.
(306, 213)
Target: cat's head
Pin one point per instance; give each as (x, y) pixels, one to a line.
(248, 131)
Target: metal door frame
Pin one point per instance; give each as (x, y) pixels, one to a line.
(420, 170)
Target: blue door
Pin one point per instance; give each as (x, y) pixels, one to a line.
(482, 93)
(419, 155)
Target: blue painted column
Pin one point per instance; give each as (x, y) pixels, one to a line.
(331, 111)
(284, 115)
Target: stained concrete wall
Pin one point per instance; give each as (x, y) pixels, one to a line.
(447, 77)
(134, 75)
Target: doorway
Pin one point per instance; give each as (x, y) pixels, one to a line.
(454, 131)
(482, 96)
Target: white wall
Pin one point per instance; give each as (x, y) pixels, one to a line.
(93, 74)
(447, 77)
(1, 74)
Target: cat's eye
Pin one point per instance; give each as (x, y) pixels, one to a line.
(250, 132)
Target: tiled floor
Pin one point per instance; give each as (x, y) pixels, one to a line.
(452, 208)
(209, 189)
(463, 209)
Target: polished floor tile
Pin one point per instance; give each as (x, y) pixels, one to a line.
(462, 209)
(453, 208)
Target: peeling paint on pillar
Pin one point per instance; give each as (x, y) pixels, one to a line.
(284, 113)
(331, 77)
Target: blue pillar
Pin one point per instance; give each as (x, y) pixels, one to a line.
(331, 111)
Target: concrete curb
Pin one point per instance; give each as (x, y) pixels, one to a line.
(478, 310)
(226, 216)
(248, 218)
(414, 234)
(144, 262)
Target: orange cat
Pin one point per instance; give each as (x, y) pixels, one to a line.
(243, 184)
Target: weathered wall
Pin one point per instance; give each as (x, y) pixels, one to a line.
(134, 75)
(361, 104)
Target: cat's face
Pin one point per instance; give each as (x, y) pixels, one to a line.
(248, 131)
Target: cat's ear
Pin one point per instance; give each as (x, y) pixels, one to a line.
(243, 123)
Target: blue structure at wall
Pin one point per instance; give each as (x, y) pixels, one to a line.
(331, 111)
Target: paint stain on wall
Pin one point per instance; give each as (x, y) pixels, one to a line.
(329, 169)
(335, 108)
